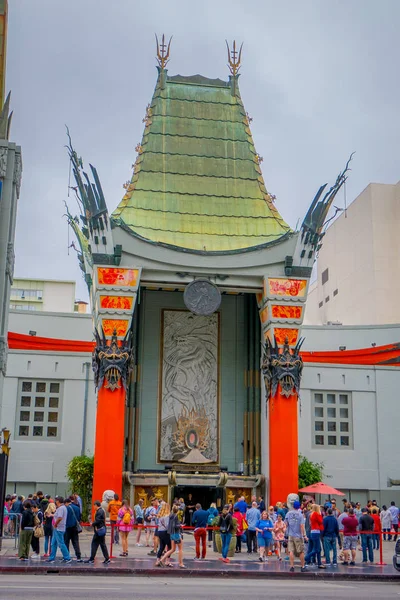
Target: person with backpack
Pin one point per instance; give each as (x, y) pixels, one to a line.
(226, 528)
(150, 518)
(175, 533)
(125, 523)
(212, 513)
(99, 535)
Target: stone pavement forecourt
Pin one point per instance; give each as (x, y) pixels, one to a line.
(242, 564)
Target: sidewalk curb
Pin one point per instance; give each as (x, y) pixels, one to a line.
(226, 573)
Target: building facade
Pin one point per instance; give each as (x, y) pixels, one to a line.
(345, 411)
(356, 264)
(42, 295)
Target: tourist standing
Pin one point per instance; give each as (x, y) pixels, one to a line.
(366, 524)
(99, 535)
(37, 522)
(59, 526)
(175, 533)
(199, 521)
(163, 535)
(330, 537)
(72, 526)
(350, 537)
(294, 522)
(139, 519)
(252, 517)
(48, 527)
(278, 532)
(113, 508)
(377, 528)
(212, 513)
(264, 528)
(240, 518)
(226, 527)
(26, 531)
(125, 525)
(316, 527)
(386, 521)
(394, 512)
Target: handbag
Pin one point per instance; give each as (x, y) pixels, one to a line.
(77, 524)
(38, 532)
(101, 531)
(245, 525)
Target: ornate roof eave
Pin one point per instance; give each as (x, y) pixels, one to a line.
(117, 222)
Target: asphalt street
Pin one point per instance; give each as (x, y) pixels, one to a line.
(46, 587)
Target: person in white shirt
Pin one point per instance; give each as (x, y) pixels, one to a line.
(386, 521)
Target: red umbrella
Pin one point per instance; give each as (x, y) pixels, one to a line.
(321, 488)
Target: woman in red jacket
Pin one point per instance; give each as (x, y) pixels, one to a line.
(240, 528)
(316, 527)
(377, 527)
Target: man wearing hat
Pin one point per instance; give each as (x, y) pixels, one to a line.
(296, 535)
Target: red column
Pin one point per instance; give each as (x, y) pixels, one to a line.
(109, 442)
(283, 447)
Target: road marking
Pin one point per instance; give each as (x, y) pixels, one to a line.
(48, 587)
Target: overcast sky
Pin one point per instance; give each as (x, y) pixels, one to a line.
(319, 77)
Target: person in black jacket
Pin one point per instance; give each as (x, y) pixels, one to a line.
(38, 521)
(26, 533)
(226, 529)
(99, 536)
(366, 523)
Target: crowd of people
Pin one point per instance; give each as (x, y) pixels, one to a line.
(305, 530)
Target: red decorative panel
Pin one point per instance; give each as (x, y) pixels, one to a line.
(120, 325)
(116, 302)
(286, 312)
(118, 277)
(282, 333)
(287, 287)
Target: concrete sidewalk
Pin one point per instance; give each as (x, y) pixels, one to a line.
(241, 565)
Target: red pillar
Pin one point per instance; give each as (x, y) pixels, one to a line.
(283, 447)
(109, 442)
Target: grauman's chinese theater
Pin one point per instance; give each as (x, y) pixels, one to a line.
(198, 291)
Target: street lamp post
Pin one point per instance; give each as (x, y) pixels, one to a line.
(5, 452)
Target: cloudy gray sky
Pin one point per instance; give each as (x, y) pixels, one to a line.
(319, 77)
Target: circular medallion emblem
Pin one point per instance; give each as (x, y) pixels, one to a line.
(202, 297)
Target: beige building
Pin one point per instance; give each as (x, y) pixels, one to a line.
(45, 295)
(358, 265)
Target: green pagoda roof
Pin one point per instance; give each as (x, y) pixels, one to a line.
(197, 184)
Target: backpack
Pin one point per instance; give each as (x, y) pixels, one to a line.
(127, 518)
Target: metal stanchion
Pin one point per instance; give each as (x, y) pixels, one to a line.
(381, 549)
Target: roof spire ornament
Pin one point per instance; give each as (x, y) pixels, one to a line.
(163, 51)
(234, 58)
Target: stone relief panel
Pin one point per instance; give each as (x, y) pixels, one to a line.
(189, 388)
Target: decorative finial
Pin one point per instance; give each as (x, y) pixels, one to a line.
(234, 58)
(163, 51)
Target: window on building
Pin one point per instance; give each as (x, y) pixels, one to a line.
(325, 276)
(39, 410)
(327, 299)
(321, 304)
(332, 420)
(335, 292)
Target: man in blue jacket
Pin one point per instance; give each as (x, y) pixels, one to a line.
(71, 527)
(199, 520)
(330, 536)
